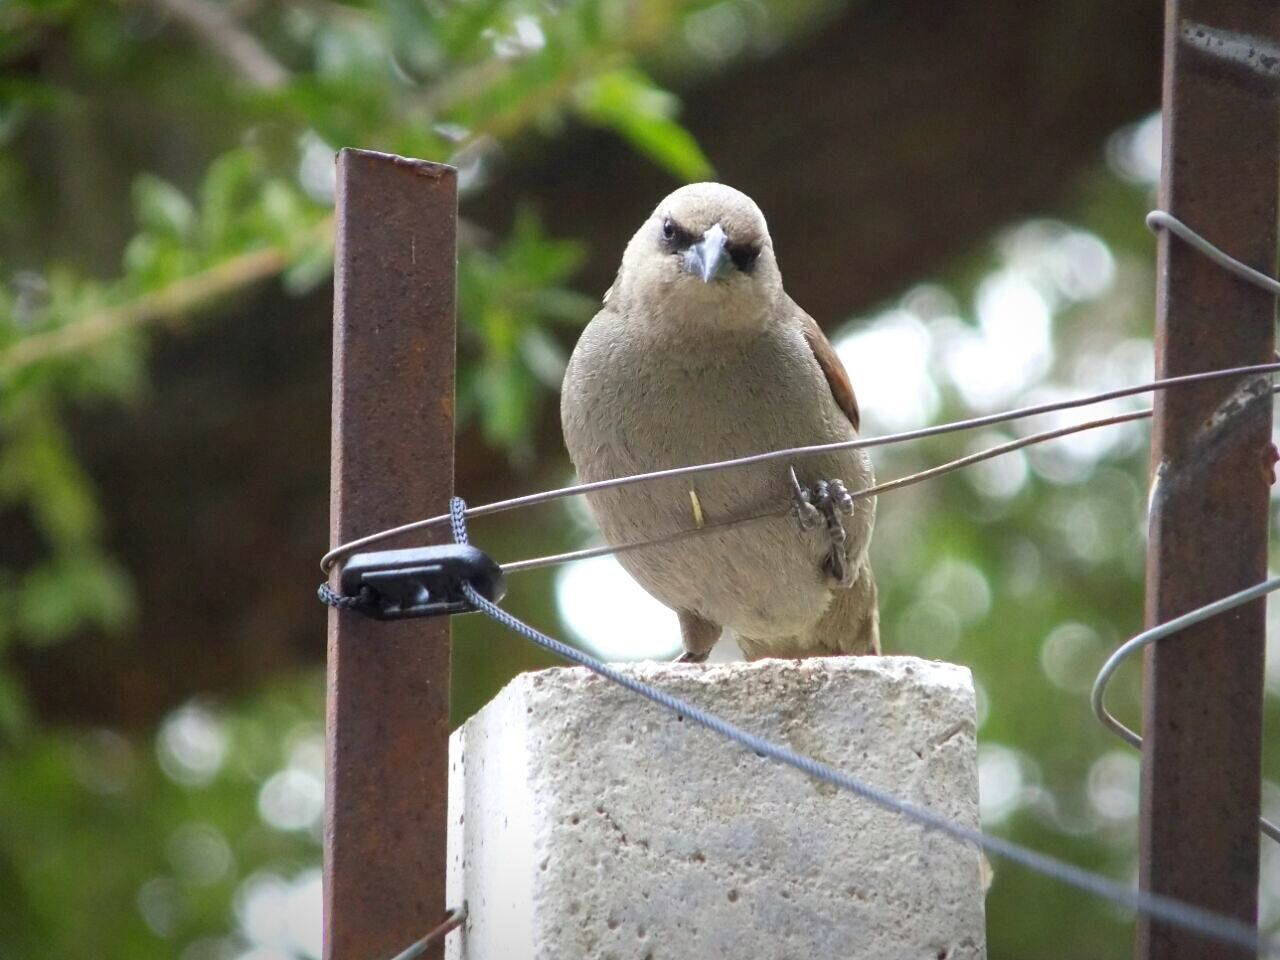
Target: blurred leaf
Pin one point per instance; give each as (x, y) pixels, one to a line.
(59, 597)
(15, 715)
(564, 306)
(539, 259)
(310, 268)
(228, 187)
(629, 103)
(162, 209)
(505, 391)
(544, 357)
(38, 465)
(505, 296)
(414, 36)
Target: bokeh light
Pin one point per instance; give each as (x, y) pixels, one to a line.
(191, 745)
(610, 614)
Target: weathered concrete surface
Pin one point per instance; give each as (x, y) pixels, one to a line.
(588, 823)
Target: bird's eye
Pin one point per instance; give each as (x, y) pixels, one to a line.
(668, 228)
(744, 257)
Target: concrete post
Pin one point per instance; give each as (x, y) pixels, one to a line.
(585, 822)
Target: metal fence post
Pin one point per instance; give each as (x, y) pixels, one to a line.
(1210, 490)
(388, 683)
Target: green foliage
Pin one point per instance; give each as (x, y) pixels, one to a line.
(431, 80)
(95, 821)
(507, 297)
(234, 188)
(627, 101)
(242, 207)
(195, 176)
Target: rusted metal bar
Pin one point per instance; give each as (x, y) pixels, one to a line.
(388, 683)
(1202, 721)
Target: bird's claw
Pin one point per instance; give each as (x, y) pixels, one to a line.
(840, 496)
(829, 499)
(688, 656)
(802, 507)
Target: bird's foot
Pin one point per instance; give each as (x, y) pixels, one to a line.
(1270, 457)
(690, 656)
(831, 500)
(802, 507)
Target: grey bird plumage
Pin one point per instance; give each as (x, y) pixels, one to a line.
(697, 355)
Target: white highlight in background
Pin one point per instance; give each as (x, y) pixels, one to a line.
(1008, 352)
(888, 362)
(612, 616)
(191, 745)
(279, 917)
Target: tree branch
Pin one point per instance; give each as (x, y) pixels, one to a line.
(220, 32)
(177, 298)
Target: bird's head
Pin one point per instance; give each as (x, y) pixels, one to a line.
(706, 245)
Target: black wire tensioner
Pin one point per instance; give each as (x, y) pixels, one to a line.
(418, 582)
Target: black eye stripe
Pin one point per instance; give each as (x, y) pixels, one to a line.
(743, 256)
(675, 237)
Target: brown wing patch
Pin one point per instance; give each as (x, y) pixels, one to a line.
(831, 366)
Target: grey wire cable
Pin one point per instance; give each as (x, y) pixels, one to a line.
(1165, 909)
(1155, 220)
(547, 496)
(1148, 637)
(888, 486)
(1161, 219)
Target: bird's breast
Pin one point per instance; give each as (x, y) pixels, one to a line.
(635, 405)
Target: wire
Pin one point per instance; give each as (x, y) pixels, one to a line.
(890, 485)
(547, 496)
(1148, 637)
(1156, 220)
(1203, 922)
(1160, 219)
(455, 919)
(1166, 909)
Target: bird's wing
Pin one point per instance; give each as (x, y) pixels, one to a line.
(832, 368)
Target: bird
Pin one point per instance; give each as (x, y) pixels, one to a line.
(698, 354)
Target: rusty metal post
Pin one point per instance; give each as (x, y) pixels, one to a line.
(1208, 516)
(388, 683)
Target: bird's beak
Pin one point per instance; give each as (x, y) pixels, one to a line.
(706, 258)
